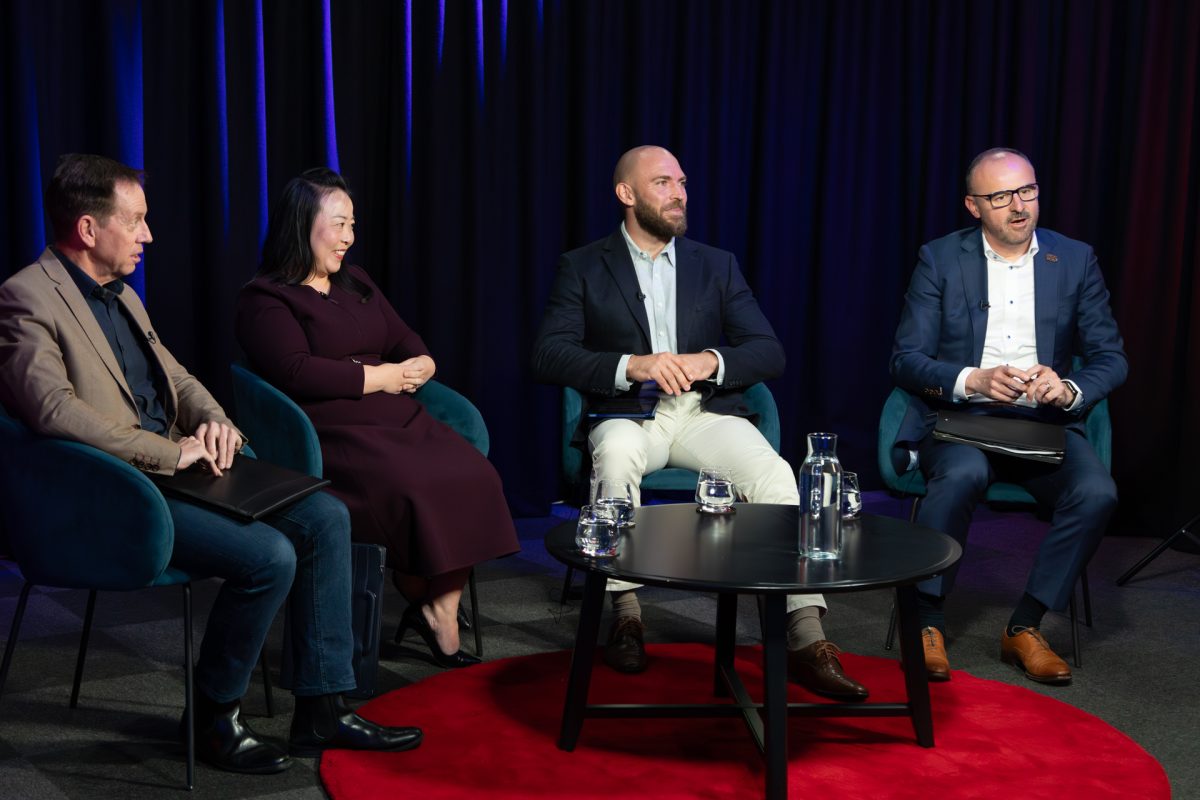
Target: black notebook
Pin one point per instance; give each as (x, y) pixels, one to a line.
(623, 408)
(248, 490)
(1022, 438)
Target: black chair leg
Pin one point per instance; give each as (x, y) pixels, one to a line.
(1074, 632)
(891, 634)
(475, 613)
(562, 599)
(1156, 552)
(912, 515)
(13, 633)
(83, 645)
(1087, 598)
(268, 687)
(189, 687)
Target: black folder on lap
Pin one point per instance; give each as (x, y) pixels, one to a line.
(248, 490)
(1022, 438)
(623, 408)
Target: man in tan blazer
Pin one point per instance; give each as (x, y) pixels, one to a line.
(80, 360)
(67, 382)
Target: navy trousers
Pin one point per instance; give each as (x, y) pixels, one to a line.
(1079, 492)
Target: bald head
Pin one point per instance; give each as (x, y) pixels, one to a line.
(989, 157)
(629, 163)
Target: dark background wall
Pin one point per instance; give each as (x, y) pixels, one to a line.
(824, 142)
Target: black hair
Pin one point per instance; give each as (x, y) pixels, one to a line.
(84, 184)
(287, 256)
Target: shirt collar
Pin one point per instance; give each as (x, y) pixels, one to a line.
(992, 255)
(636, 252)
(86, 283)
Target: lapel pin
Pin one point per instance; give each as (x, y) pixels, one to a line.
(1051, 257)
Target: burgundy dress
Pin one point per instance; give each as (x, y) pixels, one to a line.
(411, 483)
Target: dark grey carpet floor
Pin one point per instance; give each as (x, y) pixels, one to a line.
(1140, 661)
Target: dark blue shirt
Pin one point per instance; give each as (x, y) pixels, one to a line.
(128, 343)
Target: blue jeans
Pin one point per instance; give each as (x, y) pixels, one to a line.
(304, 549)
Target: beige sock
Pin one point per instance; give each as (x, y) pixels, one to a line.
(625, 604)
(804, 627)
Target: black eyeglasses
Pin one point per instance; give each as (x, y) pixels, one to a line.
(1003, 198)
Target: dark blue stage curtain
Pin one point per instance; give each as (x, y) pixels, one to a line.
(824, 141)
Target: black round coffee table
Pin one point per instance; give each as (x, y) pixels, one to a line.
(755, 551)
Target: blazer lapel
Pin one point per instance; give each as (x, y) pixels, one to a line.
(973, 266)
(82, 313)
(620, 267)
(687, 285)
(1046, 276)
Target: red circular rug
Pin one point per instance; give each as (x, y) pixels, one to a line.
(490, 732)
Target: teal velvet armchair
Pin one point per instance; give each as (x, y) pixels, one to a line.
(1098, 431)
(283, 434)
(79, 518)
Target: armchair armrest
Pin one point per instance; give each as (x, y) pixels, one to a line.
(77, 517)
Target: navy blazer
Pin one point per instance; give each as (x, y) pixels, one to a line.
(944, 322)
(594, 316)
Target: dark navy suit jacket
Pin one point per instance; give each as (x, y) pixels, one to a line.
(594, 316)
(944, 322)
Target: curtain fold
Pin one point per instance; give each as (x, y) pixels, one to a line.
(824, 142)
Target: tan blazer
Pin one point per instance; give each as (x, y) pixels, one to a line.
(59, 375)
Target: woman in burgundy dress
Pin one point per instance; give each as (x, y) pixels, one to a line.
(324, 334)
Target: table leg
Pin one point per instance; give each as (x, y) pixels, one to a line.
(581, 661)
(916, 680)
(726, 634)
(775, 707)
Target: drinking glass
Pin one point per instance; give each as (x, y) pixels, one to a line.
(715, 491)
(597, 534)
(851, 496)
(618, 496)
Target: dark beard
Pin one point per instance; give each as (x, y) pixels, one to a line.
(655, 224)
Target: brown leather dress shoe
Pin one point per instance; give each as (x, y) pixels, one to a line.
(818, 669)
(626, 650)
(1030, 651)
(937, 665)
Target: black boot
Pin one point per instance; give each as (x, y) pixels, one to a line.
(324, 722)
(224, 741)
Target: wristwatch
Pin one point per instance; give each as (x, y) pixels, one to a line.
(1074, 393)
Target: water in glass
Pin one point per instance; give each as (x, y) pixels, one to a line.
(821, 499)
(617, 496)
(851, 496)
(597, 534)
(715, 491)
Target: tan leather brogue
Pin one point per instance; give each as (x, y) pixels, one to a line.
(1030, 651)
(937, 664)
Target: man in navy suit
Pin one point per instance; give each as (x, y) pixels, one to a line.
(645, 311)
(992, 320)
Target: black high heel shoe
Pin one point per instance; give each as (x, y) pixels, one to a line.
(413, 618)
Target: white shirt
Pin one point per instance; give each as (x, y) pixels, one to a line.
(656, 280)
(1011, 336)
